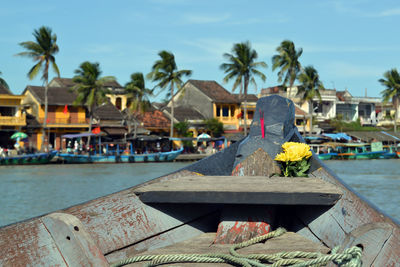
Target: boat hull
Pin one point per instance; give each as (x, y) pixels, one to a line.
(136, 158)
(28, 159)
(327, 156)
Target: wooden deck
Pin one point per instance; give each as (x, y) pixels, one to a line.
(241, 190)
(203, 244)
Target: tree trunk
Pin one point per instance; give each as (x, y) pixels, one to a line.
(310, 110)
(395, 119)
(171, 134)
(245, 106)
(46, 88)
(90, 127)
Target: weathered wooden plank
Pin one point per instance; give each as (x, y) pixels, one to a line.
(186, 231)
(121, 219)
(28, 244)
(241, 223)
(241, 190)
(389, 254)
(371, 237)
(203, 244)
(257, 164)
(350, 215)
(73, 242)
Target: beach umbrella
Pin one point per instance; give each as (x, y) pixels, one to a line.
(203, 136)
(19, 135)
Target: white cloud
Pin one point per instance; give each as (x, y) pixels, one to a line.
(388, 13)
(205, 19)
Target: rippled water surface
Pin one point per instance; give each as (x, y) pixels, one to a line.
(28, 191)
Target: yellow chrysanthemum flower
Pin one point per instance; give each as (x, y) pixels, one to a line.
(293, 151)
(282, 157)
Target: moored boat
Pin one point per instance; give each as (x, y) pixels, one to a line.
(390, 152)
(123, 158)
(324, 152)
(28, 159)
(211, 207)
(358, 151)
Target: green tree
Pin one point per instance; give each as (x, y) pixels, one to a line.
(214, 126)
(287, 60)
(90, 88)
(391, 82)
(310, 86)
(182, 129)
(137, 96)
(242, 67)
(42, 51)
(165, 72)
(3, 82)
(137, 93)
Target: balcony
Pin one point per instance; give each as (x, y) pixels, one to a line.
(13, 121)
(65, 122)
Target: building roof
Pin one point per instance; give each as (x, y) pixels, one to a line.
(107, 112)
(213, 90)
(67, 82)
(273, 90)
(250, 97)
(55, 95)
(377, 135)
(154, 119)
(299, 111)
(183, 113)
(4, 90)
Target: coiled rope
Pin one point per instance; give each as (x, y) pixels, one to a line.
(350, 257)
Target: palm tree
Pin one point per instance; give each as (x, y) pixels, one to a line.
(310, 86)
(42, 52)
(165, 72)
(90, 88)
(392, 90)
(3, 82)
(137, 95)
(242, 67)
(288, 62)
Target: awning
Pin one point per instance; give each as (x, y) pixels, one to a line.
(114, 131)
(378, 135)
(78, 135)
(338, 136)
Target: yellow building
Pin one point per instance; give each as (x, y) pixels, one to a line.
(211, 100)
(12, 117)
(117, 95)
(62, 116)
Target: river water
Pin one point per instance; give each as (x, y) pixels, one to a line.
(28, 191)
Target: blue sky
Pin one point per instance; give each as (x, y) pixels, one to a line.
(350, 43)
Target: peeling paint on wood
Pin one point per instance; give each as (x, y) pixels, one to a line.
(73, 242)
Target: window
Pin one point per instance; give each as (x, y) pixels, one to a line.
(225, 111)
(118, 103)
(232, 111)
(250, 114)
(218, 111)
(317, 107)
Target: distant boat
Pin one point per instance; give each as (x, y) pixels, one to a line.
(390, 152)
(358, 151)
(130, 158)
(116, 155)
(28, 159)
(324, 152)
